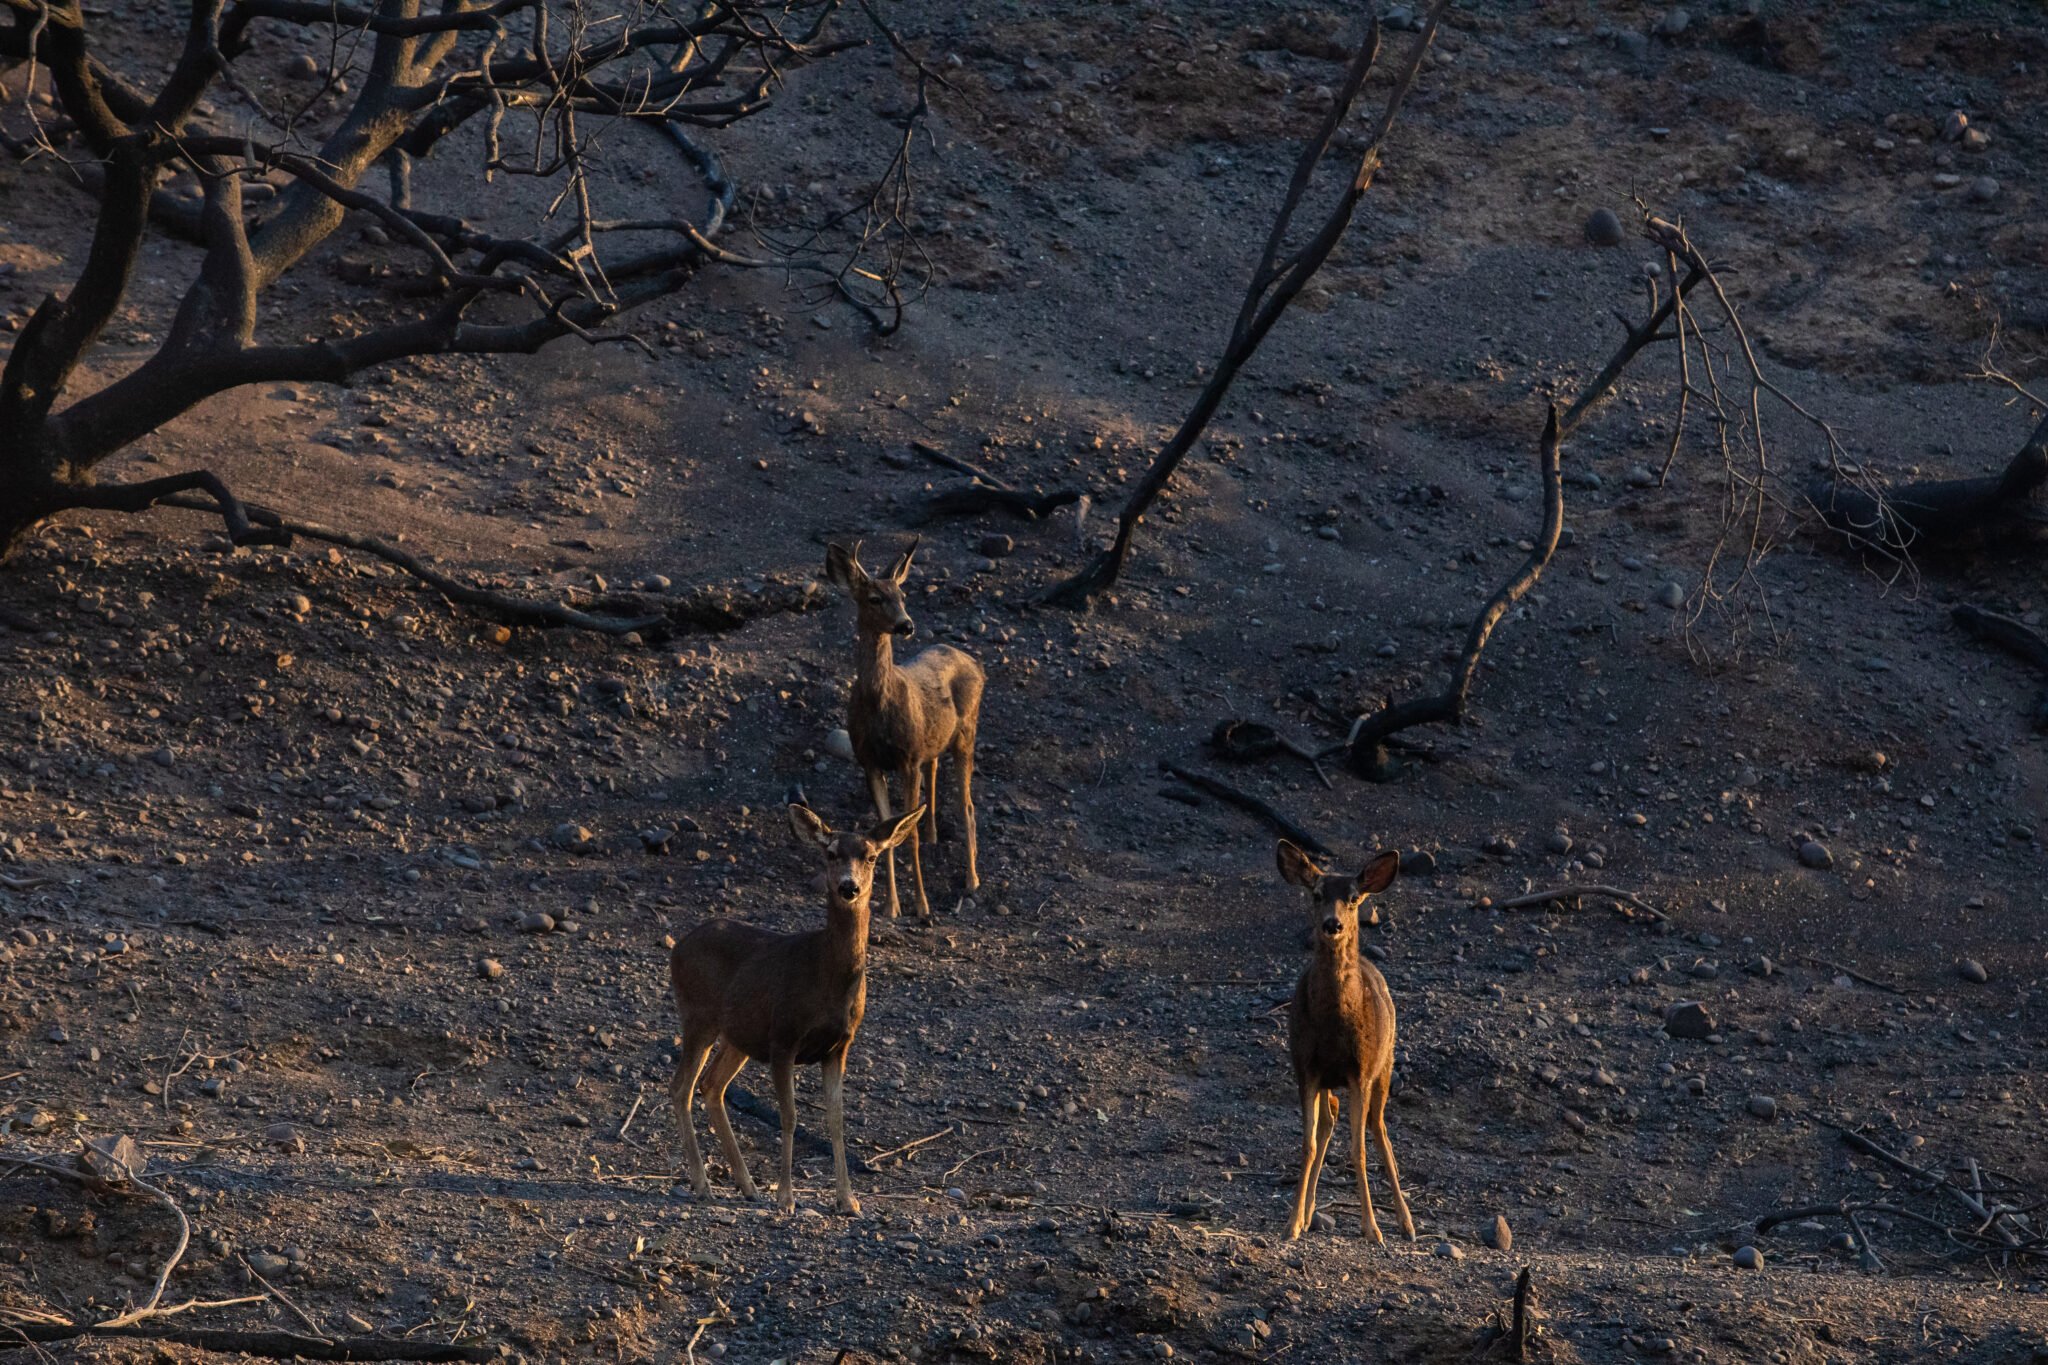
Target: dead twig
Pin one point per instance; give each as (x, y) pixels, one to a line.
(1577, 890)
(880, 1157)
(1852, 974)
(1243, 800)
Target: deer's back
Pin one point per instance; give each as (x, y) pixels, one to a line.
(768, 994)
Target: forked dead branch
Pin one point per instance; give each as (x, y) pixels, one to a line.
(1280, 274)
(527, 90)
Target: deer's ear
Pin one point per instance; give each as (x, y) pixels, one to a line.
(1295, 866)
(900, 570)
(1378, 874)
(808, 827)
(890, 833)
(842, 566)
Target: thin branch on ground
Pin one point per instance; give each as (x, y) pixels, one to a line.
(1576, 891)
(1245, 801)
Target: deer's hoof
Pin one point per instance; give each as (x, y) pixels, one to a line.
(850, 1206)
(1294, 1232)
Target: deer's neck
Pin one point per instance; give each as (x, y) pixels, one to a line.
(1337, 963)
(847, 935)
(874, 660)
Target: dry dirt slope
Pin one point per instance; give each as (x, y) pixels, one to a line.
(358, 797)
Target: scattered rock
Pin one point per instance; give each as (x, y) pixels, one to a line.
(1671, 595)
(1674, 22)
(1603, 228)
(1450, 1251)
(839, 744)
(572, 837)
(536, 922)
(269, 1263)
(1814, 854)
(996, 546)
(1952, 127)
(1763, 1106)
(1689, 1020)
(1983, 189)
(1418, 862)
(1323, 1222)
(1559, 842)
(1748, 1258)
(1641, 476)
(302, 67)
(1633, 43)
(164, 758)
(657, 840)
(490, 969)
(1970, 969)
(1500, 1237)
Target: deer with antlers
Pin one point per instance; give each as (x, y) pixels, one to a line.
(1340, 1034)
(789, 1000)
(903, 718)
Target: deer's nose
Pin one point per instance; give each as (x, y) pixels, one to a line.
(904, 628)
(1330, 925)
(848, 888)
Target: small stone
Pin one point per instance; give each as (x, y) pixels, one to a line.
(1603, 228)
(536, 922)
(996, 546)
(1674, 22)
(1763, 1106)
(302, 67)
(1450, 1251)
(657, 840)
(656, 582)
(1559, 842)
(1500, 1237)
(1323, 1222)
(1815, 854)
(1983, 189)
(164, 758)
(1641, 476)
(1671, 595)
(1500, 846)
(269, 1263)
(1418, 862)
(1748, 1258)
(1689, 1020)
(1635, 45)
(572, 837)
(1970, 969)
(1952, 127)
(490, 969)
(839, 744)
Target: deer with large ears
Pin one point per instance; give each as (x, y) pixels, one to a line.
(903, 719)
(789, 1000)
(1340, 1034)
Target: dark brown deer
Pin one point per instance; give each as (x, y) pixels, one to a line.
(903, 719)
(1340, 1033)
(788, 1000)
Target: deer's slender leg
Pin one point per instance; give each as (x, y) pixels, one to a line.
(784, 1070)
(963, 767)
(681, 1091)
(835, 1127)
(1358, 1125)
(931, 810)
(1321, 1145)
(1379, 1134)
(724, 1067)
(1311, 1120)
(878, 787)
(912, 780)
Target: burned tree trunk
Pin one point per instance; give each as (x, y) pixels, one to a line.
(1947, 514)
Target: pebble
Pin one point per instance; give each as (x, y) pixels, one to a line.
(1763, 1106)
(269, 1263)
(1634, 45)
(1689, 1020)
(572, 837)
(996, 546)
(656, 582)
(1952, 127)
(1603, 228)
(1418, 862)
(839, 744)
(1559, 842)
(1671, 595)
(1324, 1223)
(490, 969)
(1641, 476)
(164, 758)
(1815, 854)
(657, 840)
(1500, 846)
(1748, 1258)
(536, 922)
(1500, 1237)
(1983, 189)
(1450, 1251)
(1970, 969)
(1673, 23)
(302, 67)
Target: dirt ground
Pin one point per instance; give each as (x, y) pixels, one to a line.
(292, 810)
